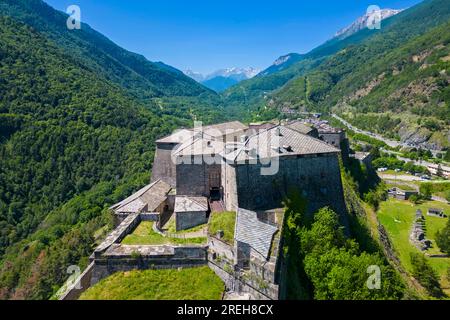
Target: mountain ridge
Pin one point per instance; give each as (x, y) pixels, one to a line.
(222, 79)
(248, 96)
(143, 78)
(362, 22)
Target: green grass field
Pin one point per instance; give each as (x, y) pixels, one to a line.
(144, 235)
(398, 216)
(400, 185)
(223, 221)
(171, 284)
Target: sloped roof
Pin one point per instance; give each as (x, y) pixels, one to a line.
(257, 234)
(179, 136)
(148, 198)
(191, 204)
(224, 128)
(300, 127)
(280, 141)
(205, 145)
(215, 130)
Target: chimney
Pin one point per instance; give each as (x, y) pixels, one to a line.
(278, 131)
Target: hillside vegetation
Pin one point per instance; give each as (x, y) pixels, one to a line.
(73, 141)
(400, 72)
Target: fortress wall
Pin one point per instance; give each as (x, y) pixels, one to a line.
(179, 257)
(187, 220)
(80, 285)
(117, 235)
(235, 282)
(153, 216)
(318, 178)
(221, 248)
(263, 269)
(193, 179)
(163, 166)
(230, 194)
(333, 138)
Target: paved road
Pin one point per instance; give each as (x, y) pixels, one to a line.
(422, 163)
(391, 143)
(400, 177)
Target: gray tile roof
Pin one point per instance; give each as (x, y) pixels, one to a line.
(224, 128)
(146, 199)
(205, 145)
(191, 204)
(280, 141)
(257, 234)
(179, 136)
(300, 127)
(215, 130)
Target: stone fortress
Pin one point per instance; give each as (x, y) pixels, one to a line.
(228, 167)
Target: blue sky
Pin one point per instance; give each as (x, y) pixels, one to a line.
(206, 35)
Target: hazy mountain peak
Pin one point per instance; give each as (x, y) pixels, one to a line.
(361, 23)
(281, 63)
(282, 59)
(222, 79)
(197, 76)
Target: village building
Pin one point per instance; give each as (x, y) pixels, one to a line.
(400, 194)
(435, 212)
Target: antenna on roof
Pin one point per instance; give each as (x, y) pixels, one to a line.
(278, 131)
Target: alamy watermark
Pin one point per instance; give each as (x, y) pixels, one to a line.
(74, 279)
(374, 17)
(74, 20)
(374, 280)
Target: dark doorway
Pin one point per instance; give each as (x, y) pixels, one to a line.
(214, 194)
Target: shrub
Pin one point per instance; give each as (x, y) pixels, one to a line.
(443, 238)
(426, 275)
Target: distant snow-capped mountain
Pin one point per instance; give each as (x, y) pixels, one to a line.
(238, 74)
(222, 79)
(361, 23)
(197, 76)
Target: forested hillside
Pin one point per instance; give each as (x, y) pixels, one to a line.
(73, 140)
(402, 67)
(246, 97)
(405, 68)
(141, 77)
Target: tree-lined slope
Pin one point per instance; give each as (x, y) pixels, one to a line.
(73, 140)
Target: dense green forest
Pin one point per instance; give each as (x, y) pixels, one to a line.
(72, 142)
(97, 53)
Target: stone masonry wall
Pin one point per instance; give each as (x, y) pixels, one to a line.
(187, 220)
(230, 195)
(126, 258)
(193, 179)
(318, 178)
(163, 166)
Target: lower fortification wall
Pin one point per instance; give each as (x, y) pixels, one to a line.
(127, 258)
(237, 283)
(80, 285)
